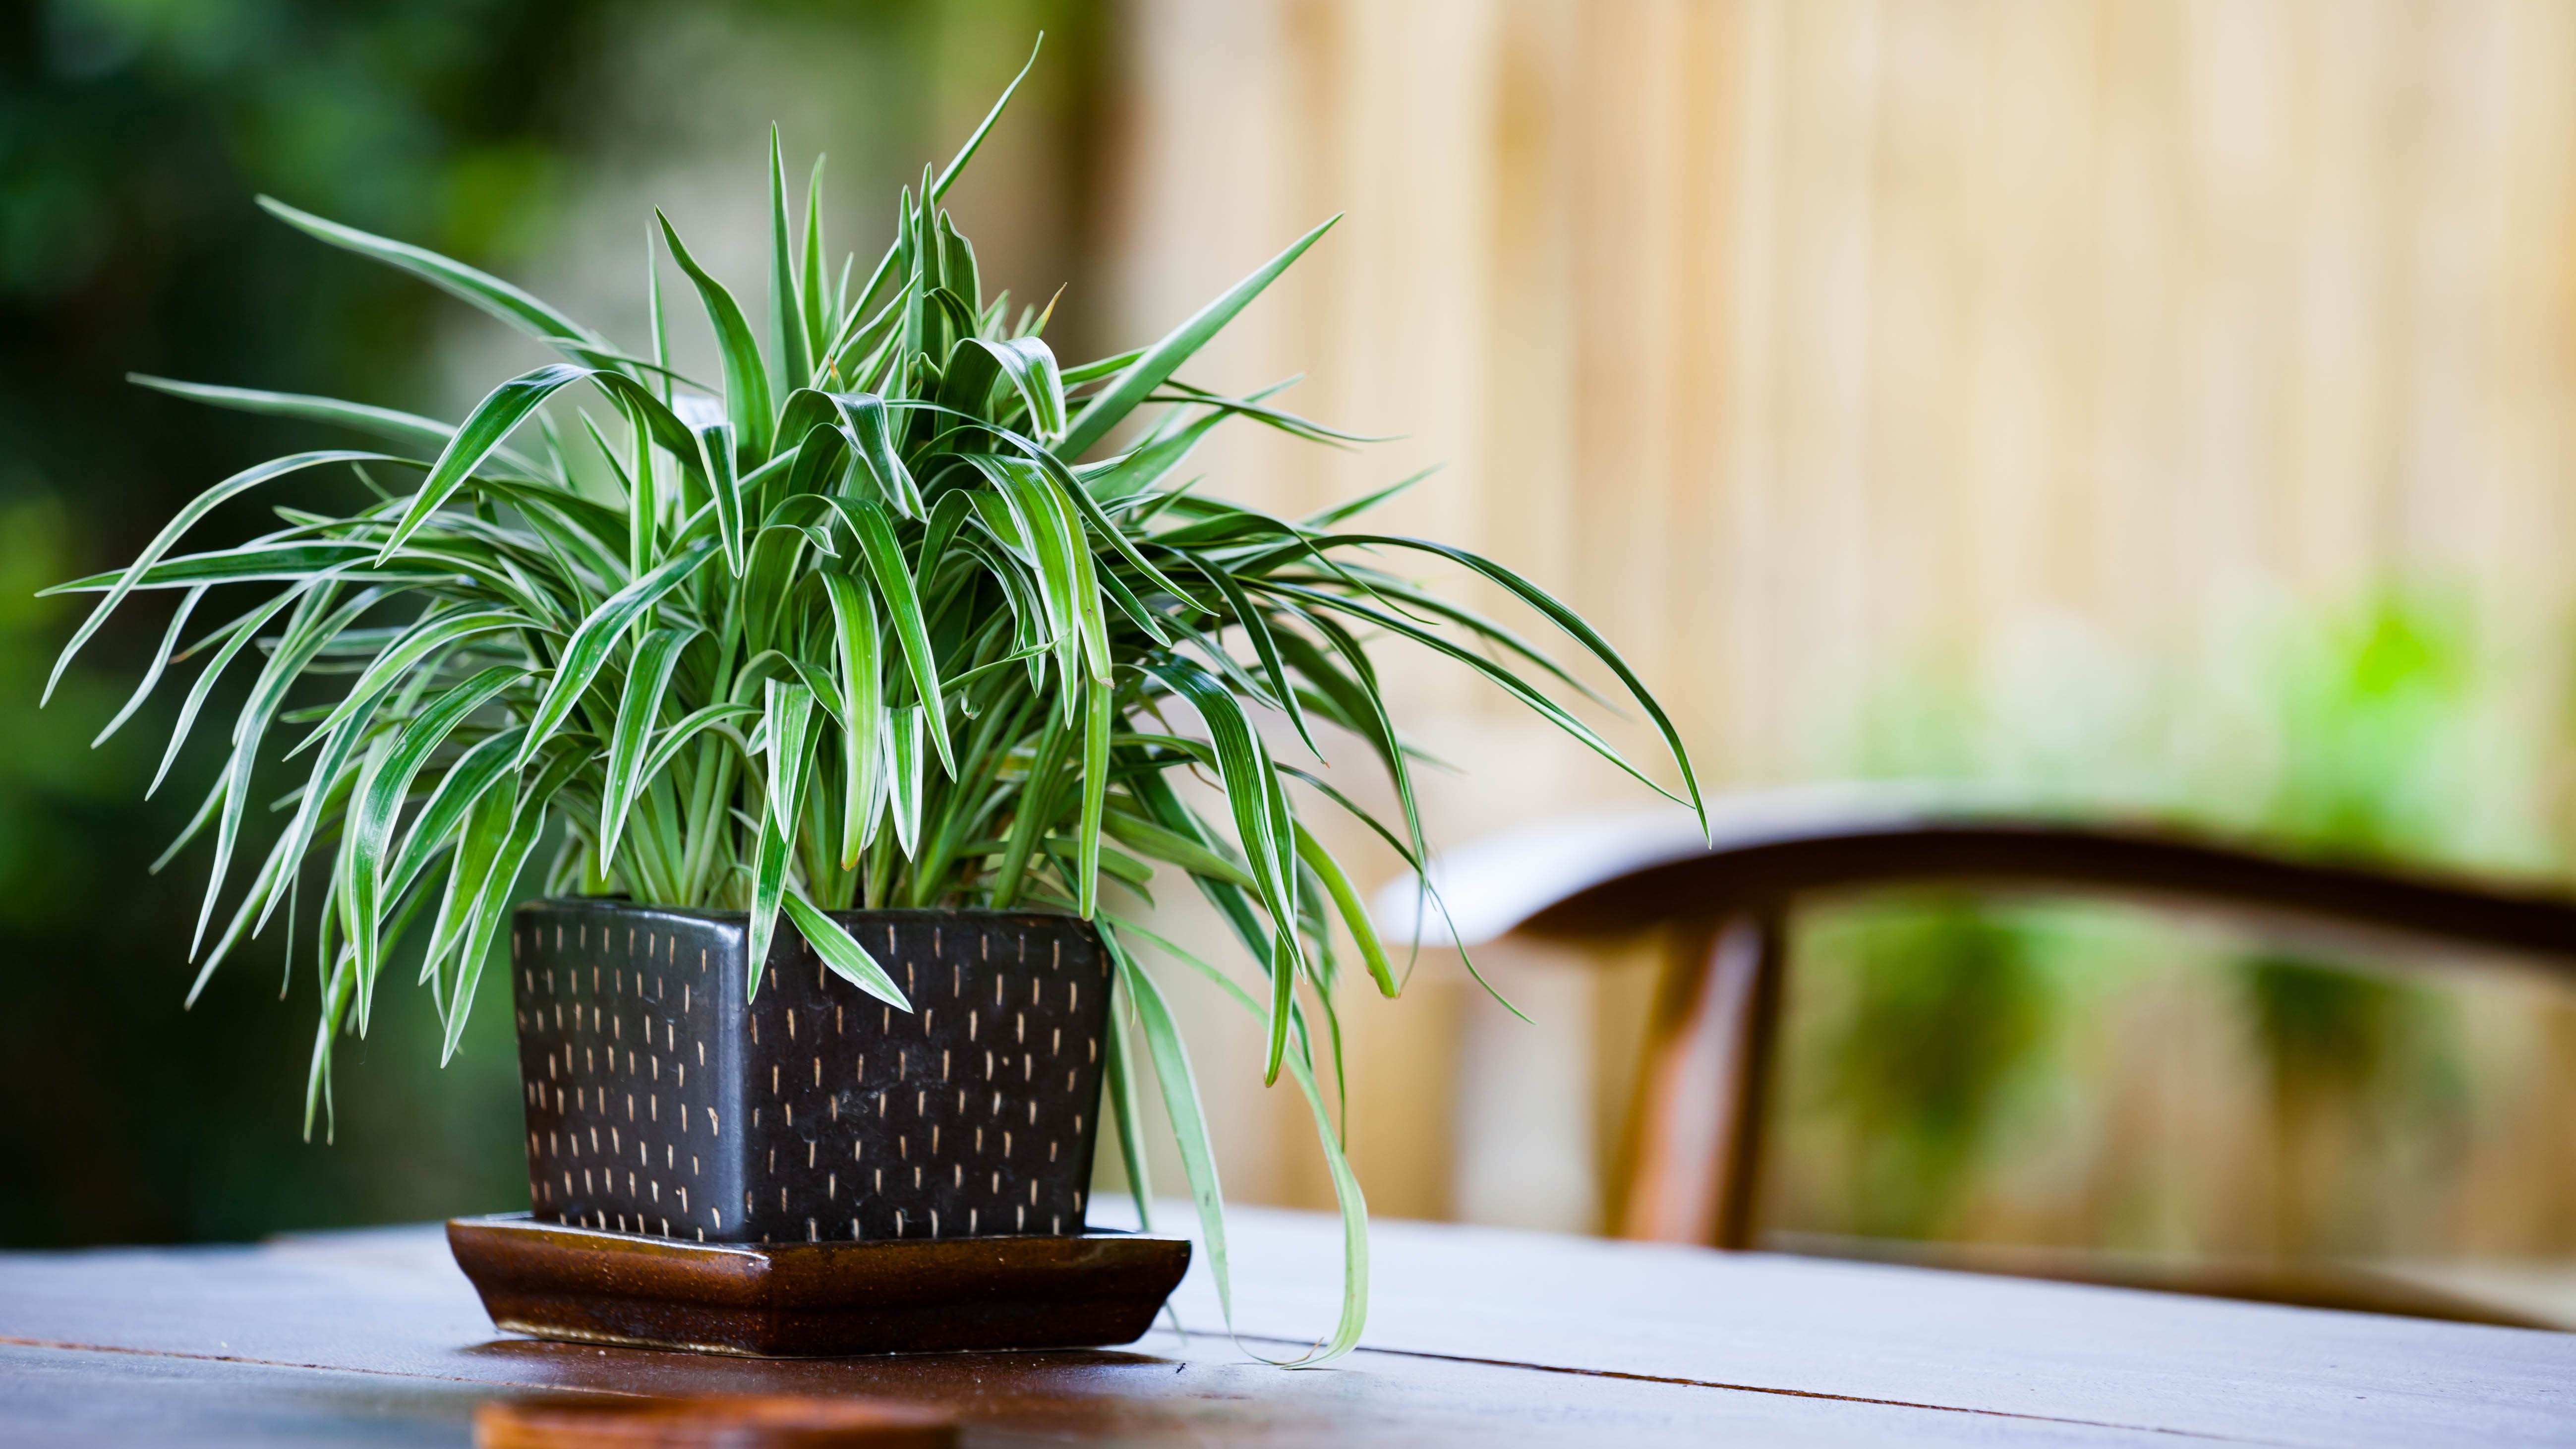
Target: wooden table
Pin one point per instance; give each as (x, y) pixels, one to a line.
(1479, 1337)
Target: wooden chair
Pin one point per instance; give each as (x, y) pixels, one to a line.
(1693, 1157)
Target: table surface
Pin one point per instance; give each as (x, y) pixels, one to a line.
(1479, 1336)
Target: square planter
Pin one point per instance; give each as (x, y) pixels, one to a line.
(661, 1102)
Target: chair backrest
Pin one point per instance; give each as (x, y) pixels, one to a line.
(1724, 904)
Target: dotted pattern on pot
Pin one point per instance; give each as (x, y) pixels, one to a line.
(628, 1070)
(815, 1112)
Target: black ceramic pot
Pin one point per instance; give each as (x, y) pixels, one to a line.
(660, 1101)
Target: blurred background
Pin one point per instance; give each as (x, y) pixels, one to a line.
(2157, 408)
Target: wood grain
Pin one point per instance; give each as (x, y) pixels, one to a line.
(1480, 1336)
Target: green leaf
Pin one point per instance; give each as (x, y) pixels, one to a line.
(866, 425)
(1181, 1104)
(1329, 517)
(648, 682)
(474, 944)
(480, 847)
(1030, 367)
(956, 166)
(863, 785)
(483, 431)
(588, 651)
(788, 719)
(473, 774)
(427, 435)
(133, 575)
(1175, 849)
(904, 769)
(380, 798)
(715, 453)
(235, 635)
(250, 563)
(790, 350)
(1118, 1084)
(696, 722)
(1573, 625)
(308, 629)
(813, 291)
(1089, 509)
(335, 1001)
(1149, 462)
(840, 951)
(1099, 716)
(1512, 684)
(1100, 367)
(1262, 821)
(1346, 1186)
(161, 658)
(1042, 530)
(1111, 404)
(430, 636)
(489, 293)
(1265, 646)
(903, 603)
(746, 379)
(1354, 911)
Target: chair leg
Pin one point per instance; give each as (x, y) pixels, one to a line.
(1694, 1150)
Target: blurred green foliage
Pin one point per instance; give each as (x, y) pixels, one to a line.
(1931, 1020)
(133, 136)
(2375, 707)
(1944, 1003)
(135, 133)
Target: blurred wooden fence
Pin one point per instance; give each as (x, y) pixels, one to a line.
(1797, 341)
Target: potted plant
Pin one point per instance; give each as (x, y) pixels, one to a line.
(841, 701)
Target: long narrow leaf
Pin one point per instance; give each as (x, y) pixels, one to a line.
(790, 350)
(1111, 405)
(428, 436)
(127, 579)
(903, 603)
(747, 392)
(487, 292)
(648, 682)
(587, 652)
(161, 658)
(1181, 1104)
(841, 951)
(492, 420)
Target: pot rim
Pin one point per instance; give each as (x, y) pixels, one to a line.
(700, 913)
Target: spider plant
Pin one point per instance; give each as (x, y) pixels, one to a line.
(884, 616)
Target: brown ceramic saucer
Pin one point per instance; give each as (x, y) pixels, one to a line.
(711, 1422)
(813, 1300)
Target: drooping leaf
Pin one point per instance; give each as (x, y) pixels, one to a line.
(841, 951)
(426, 436)
(487, 292)
(161, 658)
(380, 798)
(133, 575)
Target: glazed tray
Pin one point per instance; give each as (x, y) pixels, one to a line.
(814, 1300)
